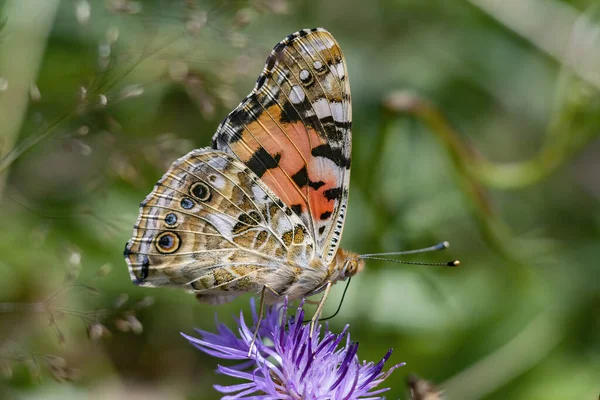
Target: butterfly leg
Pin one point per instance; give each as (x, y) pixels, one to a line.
(260, 315)
(315, 317)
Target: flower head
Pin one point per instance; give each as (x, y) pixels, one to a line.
(286, 363)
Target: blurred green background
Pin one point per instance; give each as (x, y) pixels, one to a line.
(474, 122)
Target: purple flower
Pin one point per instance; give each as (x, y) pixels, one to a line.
(286, 363)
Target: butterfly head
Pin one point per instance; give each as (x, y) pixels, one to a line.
(346, 264)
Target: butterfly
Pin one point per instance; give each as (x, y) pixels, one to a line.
(263, 208)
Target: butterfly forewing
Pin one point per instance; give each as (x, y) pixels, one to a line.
(212, 226)
(294, 132)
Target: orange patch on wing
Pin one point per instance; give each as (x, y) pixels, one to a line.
(321, 205)
(293, 142)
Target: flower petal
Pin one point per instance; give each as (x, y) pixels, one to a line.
(288, 363)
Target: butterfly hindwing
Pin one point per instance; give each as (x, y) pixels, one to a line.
(294, 132)
(212, 226)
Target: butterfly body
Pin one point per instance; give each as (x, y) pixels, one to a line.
(265, 206)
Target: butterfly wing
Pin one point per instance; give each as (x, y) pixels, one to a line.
(294, 132)
(210, 225)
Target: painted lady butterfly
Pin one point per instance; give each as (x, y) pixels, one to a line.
(263, 209)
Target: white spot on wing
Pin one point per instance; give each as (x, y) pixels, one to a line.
(334, 109)
(321, 107)
(258, 195)
(222, 224)
(297, 95)
(350, 113)
(218, 182)
(337, 110)
(218, 163)
(340, 70)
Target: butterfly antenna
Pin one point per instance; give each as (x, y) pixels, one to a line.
(440, 246)
(376, 256)
(454, 263)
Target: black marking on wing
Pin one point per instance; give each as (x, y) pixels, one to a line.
(333, 154)
(279, 46)
(271, 60)
(127, 252)
(297, 208)
(325, 215)
(315, 185)
(336, 130)
(261, 161)
(261, 80)
(145, 271)
(243, 117)
(300, 178)
(280, 203)
(333, 193)
(300, 112)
